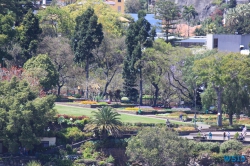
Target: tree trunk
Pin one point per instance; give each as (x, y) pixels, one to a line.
(105, 89)
(219, 96)
(87, 77)
(141, 87)
(156, 94)
(59, 90)
(230, 119)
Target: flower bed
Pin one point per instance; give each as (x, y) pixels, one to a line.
(131, 108)
(184, 128)
(88, 102)
(73, 117)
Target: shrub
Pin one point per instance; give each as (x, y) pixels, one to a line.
(125, 100)
(73, 117)
(88, 144)
(218, 158)
(78, 96)
(231, 145)
(110, 159)
(34, 163)
(69, 149)
(185, 128)
(213, 147)
(102, 103)
(72, 134)
(101, 163)
(236, 135)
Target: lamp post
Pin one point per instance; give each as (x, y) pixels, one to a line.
(3, 59)
(195, 92)
(195, 106)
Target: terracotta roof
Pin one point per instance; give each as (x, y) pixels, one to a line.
(182, 30)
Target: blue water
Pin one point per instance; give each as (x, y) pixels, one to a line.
(151, 20)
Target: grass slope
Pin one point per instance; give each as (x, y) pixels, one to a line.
(77, 111)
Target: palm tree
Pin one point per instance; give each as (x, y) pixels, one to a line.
(189, 13)
(106, 121)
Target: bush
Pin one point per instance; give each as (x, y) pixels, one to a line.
(206, 146)
(72, 134)
(236, 136)
(101, 163)
(34, 163)
(102, 103)
(69, 149)
(73, 117)
(88, 144)
(110, 159)
(213, 147)
(231, 145)
(218, 158)
(78, 96)
(125, 100)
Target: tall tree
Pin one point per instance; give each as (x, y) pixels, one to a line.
(169, 13)
(7, 33)
(134, 6)
(23, 116)
(42, 63)
(61, 55)
(220, 70)
(109, 57)
(88, 35)
(189, 13)
(235, 99)
(54, 21)
(18, 8)
(29, 34)
(136, 40)
(237, 19)
(155, 62)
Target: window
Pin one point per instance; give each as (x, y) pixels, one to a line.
(215, 43)
(119, 0)
(45, 143)
(119, 8)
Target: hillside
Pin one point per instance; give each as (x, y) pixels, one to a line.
(203, 7)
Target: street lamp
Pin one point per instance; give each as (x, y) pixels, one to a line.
(195, 92)
(3, 59)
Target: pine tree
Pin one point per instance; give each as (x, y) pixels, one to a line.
(169, 13)
(29, 34)
(88, 35)
(136, 40)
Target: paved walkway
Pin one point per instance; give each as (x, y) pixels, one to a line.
(218, 136)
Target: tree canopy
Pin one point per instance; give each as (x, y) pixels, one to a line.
(169, 13)
(43, 70)
(23, 115)
(88, 35)
(158, 146)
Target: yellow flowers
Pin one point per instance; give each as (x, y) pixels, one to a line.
(132, 108)
(88, 102)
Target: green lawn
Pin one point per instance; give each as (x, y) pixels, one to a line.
(77, 111)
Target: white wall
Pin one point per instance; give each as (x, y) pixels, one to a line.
(210, 41)
(52, 140)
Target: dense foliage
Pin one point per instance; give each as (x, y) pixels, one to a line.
(23, 115)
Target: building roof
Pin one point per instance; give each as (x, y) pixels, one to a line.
(193, 40)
